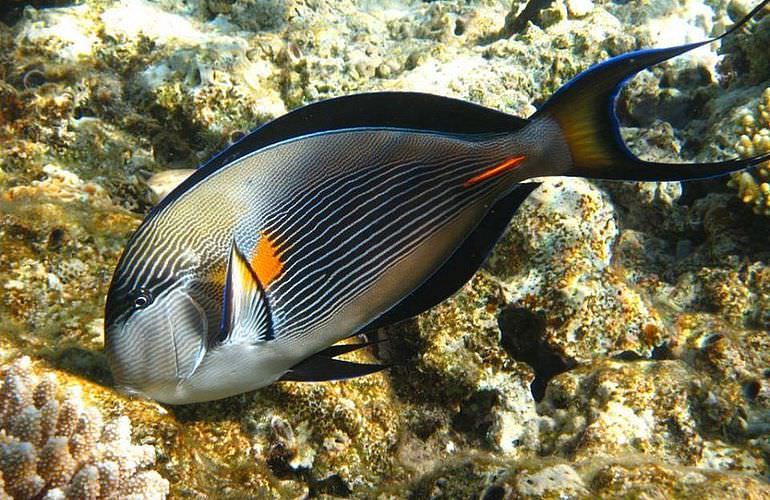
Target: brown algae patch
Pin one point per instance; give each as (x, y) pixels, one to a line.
(61, 237)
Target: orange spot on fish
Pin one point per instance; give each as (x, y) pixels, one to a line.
(505, 166)
(265, 261)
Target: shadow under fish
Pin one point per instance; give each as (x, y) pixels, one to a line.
(345, 216)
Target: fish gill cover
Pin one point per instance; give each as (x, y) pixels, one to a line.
(644, 304)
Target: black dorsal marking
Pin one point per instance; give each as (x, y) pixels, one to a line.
(408, 110)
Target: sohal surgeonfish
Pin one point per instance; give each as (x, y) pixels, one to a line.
(344, 216)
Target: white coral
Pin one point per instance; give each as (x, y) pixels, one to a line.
(54, 447)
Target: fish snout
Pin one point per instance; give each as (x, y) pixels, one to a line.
(138, 351)
(152, 350)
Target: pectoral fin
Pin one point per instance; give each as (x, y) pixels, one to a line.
(245, 308)
(187, 320)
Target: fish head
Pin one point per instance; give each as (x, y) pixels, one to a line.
(156, 330)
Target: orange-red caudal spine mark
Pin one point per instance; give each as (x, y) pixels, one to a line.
(265, 261)
(505, 166)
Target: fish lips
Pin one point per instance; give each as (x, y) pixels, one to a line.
(152, 350)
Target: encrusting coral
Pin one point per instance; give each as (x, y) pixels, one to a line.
(754, 187)
(56, 447)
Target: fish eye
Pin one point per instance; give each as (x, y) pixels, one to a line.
(140, 298)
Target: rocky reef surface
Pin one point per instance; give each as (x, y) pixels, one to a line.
(615, 344)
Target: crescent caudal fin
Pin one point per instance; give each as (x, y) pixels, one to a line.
(585, 110)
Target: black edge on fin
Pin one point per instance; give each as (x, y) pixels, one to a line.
(322, 366)
(232, 305)
(585, 109)
(462, 265)
(412, 110)
(340, 349)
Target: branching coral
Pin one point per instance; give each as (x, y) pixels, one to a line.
(754, 188)
(56, 447)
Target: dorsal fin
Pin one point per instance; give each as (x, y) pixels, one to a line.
(410, 110)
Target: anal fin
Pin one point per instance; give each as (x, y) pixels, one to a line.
(322, 366)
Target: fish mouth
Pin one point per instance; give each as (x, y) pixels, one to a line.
(158, 348)
(137, 346)
(132, 392)
(113, 333)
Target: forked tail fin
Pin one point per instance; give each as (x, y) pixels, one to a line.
(585, 110)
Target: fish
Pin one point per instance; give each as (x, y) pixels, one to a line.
(345, 216)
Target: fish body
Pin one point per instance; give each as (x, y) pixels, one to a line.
(335, 233)
(340, 217)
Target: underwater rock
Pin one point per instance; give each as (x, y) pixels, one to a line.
(651, 207)
(335, 437)
(579, 8)
(67, 34)
(489, 476)
(744, 57)
(558, 479)
(556, 259)
(460, 351)
(615, 409)
(60, 238)
(162, 183)
(209, 72)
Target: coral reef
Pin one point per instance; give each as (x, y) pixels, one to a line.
(485, 476)
(57, 447)
(615, 344)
